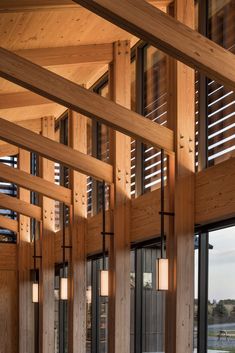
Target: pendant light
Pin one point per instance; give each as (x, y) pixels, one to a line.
(64, 278)
(104, 274)
(162, 262)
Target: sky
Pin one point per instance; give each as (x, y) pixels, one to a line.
(221, 265)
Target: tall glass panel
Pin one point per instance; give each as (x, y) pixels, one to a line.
(132, 301)
(89, 307)
(153, 305)
(221, 294)
(195, 326)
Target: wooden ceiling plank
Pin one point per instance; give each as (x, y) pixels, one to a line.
(169, 35)
(22, 207)
(79, 99)
(34, 183)
(90, 53)
(55, 151)
(8, 223)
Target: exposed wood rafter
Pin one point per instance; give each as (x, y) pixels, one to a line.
(8, 223)
(39, 80)
(22, 207)
(34, 183)
(55, 151)
(90, 53)
(171, 36)
(32, 5)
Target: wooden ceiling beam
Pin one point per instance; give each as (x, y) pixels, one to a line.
(169, 35)
(34, 183)
(90, 53)
(7, 150)
(21, 99)
(46, 83)
(8, 223)
(55, 151)
(22, 207)
(39, 5)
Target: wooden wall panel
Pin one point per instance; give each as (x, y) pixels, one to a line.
(8, 311)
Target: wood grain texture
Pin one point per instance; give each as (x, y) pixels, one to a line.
(26, 307)
(71, 95)
(34, 183)
(47, 268)
(29, 5)
(119, 251)
(8, 257)
(21, 99)
(8, 150)
(214, 193)
(8, 223)
(180, 240)
(55, 151)
(90, 53)
(169, 35)
(78, 184)
(8, 312)
(22, 207)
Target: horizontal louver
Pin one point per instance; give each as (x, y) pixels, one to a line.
(11, 190)
(221, 101)
(155, 109)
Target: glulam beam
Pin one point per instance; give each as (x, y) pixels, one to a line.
(169, 35)
(19, 206)
(60, 90)
(80, 54)
(36, 184)
(39, 5)
(55, 151)
(8, 223)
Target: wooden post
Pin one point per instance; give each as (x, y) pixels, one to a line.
(180, 240)
(47, 273)
(26, 309)
(119, 254)
(77, 300)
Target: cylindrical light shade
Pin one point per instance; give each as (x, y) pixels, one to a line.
(162, 274)
(104, 283)
(88, 295)
(64, 288)
(35, 292)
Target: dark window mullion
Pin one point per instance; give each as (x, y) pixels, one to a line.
(203, 292)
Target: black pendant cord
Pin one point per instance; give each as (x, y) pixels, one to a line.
(64, 226)
(34, 257)
(162, 203)
(103, 222)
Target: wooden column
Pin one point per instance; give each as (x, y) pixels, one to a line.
(26, 309)
(180, 241)
(47, 273)
(119, 254)
(77, 300)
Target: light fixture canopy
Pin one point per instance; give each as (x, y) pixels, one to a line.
(35, 295)
(104, 283)
(63, 288)
(162, 274)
